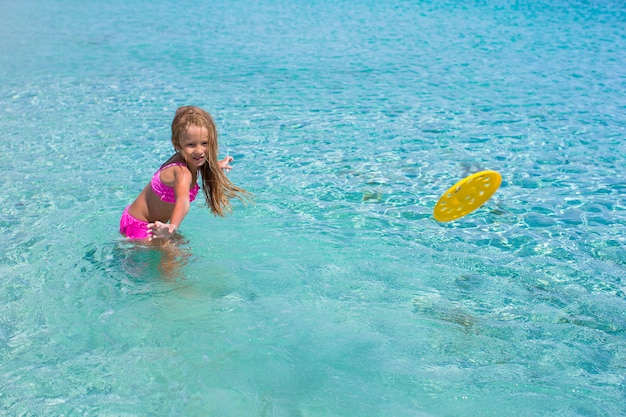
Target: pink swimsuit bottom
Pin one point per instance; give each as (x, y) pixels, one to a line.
(133, 228)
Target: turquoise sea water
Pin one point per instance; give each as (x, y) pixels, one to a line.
(336, 293)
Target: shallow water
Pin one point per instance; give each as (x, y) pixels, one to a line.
(336, 293)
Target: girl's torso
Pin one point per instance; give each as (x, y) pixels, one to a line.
(156, 201)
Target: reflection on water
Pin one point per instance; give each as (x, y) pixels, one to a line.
(167, 256)
(136, 263)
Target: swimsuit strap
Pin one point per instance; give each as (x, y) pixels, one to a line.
(178, 164)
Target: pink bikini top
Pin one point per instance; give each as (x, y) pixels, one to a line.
(165, 192)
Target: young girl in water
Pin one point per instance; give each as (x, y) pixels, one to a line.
(161, 207)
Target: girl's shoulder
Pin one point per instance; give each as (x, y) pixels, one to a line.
(173, 170)
(179, 165)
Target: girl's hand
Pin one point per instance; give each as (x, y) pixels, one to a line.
(160, 230)
(224, 163)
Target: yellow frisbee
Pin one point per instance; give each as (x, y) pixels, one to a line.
(467, 195)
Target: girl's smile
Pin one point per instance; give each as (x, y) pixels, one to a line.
(194, 143)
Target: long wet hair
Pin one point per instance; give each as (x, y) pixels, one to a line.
(217, 188)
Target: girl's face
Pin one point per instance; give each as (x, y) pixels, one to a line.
(194, 143)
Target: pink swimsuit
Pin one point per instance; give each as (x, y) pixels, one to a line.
(138, 229)
(133, 228)
(165, 192)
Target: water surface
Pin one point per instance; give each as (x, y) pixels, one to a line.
(336, 293)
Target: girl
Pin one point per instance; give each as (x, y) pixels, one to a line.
(166, 198)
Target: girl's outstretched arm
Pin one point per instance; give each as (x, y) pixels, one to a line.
(225, 163)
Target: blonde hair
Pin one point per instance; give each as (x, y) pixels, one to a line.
(217, 188)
